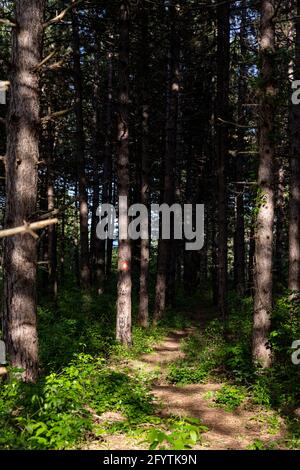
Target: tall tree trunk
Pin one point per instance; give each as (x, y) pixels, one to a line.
(191, 258)
(97, 247)
(19, 319)
(223, 62)
(108, 155)
(123, 331)
(164, 251)
(95, 257)
(52, 238)
(294, 203)
(101, 247)
(214, 261)
(63, 236)
(250, 284)
(109, 249)
(143, 315)
(239, 238)
(85, 274)
(263, 281)
(280, 223)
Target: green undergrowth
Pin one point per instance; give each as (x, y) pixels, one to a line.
(62, 410)
(180, 434)
(85, 373)
(58, 411)
(82, 376)
(174, 432)
(209, 357)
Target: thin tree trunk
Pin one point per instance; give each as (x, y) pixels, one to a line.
(76, 237)
(169, 164)
(294, 203)
(97, 247)
(143, 315)
(85, 275)
(223, 62)
(19, 319)
(239, 239)
(214, 262)
(109, 247)
(52, 239)
(251, 256)
(108, 155)
(63, 238)
(190, 257)
(263, 281)
(280, 223)
(123, 331)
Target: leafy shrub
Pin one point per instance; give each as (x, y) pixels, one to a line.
(183, 374)
(182, 434)
(293, 441)
(229, 397)
(261, 393)
(257, 445)
(143, 342)
(54, 414)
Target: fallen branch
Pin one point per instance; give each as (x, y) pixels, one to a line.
(27, 228)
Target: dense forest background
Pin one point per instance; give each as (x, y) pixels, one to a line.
(162, 101)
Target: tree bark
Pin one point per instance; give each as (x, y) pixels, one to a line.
(85, 275)
(294, 202)
(108, 154)
(143, 315)
(97, 247)
(263, 280)
(223, 63)
(101, 247)
(169, 163)
(63, 237)
(239, 238)
(280, 223)
(123, 330)
(250, 285)
(20, 252)
(52, 237)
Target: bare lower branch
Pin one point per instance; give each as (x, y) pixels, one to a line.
(62, 14)
(56, 65)
(45, 60)
(56, 115)
(27, 228)
(4, 84)
(235, 124)
(7, 22)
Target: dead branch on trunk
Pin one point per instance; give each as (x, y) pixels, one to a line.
(62, 14)
(7, 22)
(27, 228)
(56, 115)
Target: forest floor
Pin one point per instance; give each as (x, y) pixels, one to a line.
(235, 429)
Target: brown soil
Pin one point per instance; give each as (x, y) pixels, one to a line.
(227, 430)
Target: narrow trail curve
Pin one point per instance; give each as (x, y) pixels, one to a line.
(227, 430)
